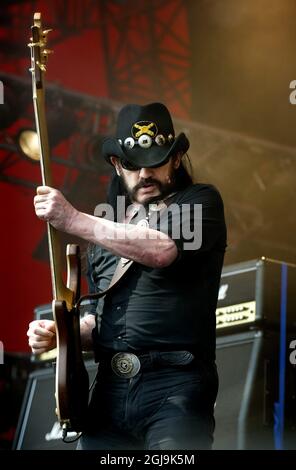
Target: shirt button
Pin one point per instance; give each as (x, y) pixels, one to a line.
(119, 337)
(118, 308)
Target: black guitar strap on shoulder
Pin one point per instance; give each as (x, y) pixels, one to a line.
(120, 270)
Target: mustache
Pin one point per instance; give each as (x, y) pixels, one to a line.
(143, 183)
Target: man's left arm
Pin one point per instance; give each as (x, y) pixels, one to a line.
(141, 244)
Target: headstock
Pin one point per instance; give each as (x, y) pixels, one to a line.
(39, 53)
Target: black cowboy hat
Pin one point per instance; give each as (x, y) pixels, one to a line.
(145, 136)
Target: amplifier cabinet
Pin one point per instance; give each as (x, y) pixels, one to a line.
(256, 294)
(249, 398)
(38, 427)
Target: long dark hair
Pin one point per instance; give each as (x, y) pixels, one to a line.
(184, 174)
(183, 179)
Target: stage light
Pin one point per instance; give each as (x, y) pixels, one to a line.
(27, 142)
(61, 124)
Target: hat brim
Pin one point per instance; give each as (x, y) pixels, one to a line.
(155, 155)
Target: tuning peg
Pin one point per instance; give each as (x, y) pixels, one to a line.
(46, 31)
(41, 66)
(32, 44)
(47, 52)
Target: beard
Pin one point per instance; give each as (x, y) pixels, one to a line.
(164, 188)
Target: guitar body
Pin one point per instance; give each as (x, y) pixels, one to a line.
(71, 375)
(71, 380)
(71, 390)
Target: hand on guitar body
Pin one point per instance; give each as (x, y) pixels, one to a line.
(42, 336)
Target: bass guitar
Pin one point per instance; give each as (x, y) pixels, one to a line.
(71, 385)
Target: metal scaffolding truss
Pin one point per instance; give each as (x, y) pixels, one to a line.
(66, 18)
(85, 120)
(147, 52)
(145, 44)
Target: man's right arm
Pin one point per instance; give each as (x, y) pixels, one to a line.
(42, 334)
(87, 324)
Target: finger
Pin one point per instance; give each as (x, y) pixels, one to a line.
(42, 214)
(44, 190)
(39, 199)
(35, 339)
(49, 325)
(35, 323)
(38, 350)
(45, 332)
(42, 201)
(41, 332)
(39, 344)
(41, 211)
(41, 206)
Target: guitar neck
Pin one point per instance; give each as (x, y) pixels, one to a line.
(60, 291)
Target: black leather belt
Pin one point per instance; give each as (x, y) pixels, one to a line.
(127, 365)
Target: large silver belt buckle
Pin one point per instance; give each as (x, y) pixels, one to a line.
(125, 365)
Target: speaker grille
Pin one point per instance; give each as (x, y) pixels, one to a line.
(38, 427)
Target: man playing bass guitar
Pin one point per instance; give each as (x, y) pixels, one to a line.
(154, 335)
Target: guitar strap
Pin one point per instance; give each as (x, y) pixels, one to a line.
(120, 270)
(122, 266)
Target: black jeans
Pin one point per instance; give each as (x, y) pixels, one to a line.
(166, 406)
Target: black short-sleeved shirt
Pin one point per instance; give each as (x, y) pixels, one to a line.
(173, 307)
